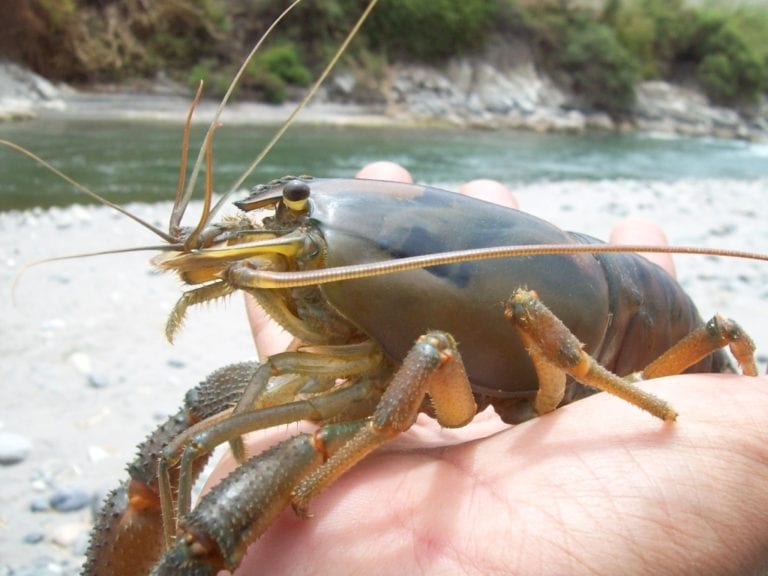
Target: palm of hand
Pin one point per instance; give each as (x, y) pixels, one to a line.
(596, 487)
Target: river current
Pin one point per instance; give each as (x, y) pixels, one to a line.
(138, 161)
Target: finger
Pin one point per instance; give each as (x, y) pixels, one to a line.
(385, 171)
(490, 191)
(636, 231)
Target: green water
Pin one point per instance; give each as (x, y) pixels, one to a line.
(139, 161)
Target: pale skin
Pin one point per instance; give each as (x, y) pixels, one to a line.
(596, 487)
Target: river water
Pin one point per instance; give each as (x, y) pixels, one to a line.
(138, 161)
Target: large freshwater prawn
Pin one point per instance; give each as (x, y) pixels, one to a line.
(400, 293)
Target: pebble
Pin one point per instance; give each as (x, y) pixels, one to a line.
(14, 448)
(68, 534)
(81, 361)
(97, 381)
(80, 213)
(39, 484)
(69, 499)
(39, 505)
(53, 324)
(33, 538)
(176, 363)
(43, 566)
(97, 453)
(62, 279)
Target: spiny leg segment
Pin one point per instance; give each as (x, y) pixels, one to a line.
(557, 353)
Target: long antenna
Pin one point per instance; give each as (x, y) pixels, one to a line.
(272, 279)
(220, 109)
(287, 123)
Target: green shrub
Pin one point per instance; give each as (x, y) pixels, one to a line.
(59, 13)
(271, 71)
(586, 55)
(601, 69)
(429, 30)
(215, 77)
(654, 32)
(726, 47)
(749, 22)
(283, 61)
(598, 53)
(729, 69)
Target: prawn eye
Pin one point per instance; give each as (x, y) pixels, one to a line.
(296, 195)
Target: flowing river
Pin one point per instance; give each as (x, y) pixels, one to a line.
(138, 161)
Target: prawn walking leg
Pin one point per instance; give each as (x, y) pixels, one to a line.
(556, 353)
(297, 469)
(433, 367)
(715, 334)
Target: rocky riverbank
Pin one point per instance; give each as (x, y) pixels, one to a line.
(500, 88)
(503, 88)
(24, 94)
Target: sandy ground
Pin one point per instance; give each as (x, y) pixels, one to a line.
(100, 320)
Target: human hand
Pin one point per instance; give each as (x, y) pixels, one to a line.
(595, 487)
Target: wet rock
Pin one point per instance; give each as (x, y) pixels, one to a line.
(600, 122)
(69, 499)
(665, 107)
(23, 93)
(503, 87)
(14, 448)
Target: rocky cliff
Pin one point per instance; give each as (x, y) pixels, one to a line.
(500, 88)
(503, 88)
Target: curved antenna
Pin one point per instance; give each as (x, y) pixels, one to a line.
(192, 239)
(178, 209)
(157, 248)
(220, 109)
(287, 123)
(271, 279)
(29, 154)
(22, 272)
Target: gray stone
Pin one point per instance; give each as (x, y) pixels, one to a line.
(67, 535)
(502, 87)
(33, 537)
(69, 499)
(23, 93)
(665, 107)
(97, 380)
(14, 448)
(39, 505)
